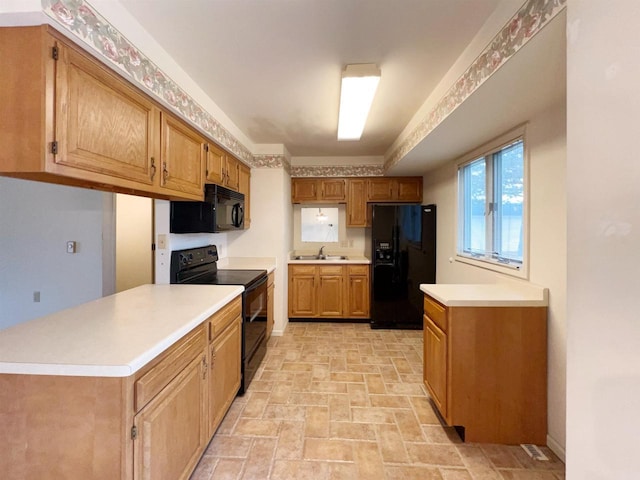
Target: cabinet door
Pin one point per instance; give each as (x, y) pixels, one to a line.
(304, 190)
(435, 364)
(330, 291)
(103, 126)
(357, 203)
(224, 376)
(358, 292)
(409, 189)
(232, 173)
(333, 190)
(171, 429)
(183, 151)
(380, 190)
(244, 187)
(216, 163)
(302, 291)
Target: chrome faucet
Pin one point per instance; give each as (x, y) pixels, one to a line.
(321, 252)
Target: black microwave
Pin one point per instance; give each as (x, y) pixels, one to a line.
(221, 211)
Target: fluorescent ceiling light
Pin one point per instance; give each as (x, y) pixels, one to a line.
(359, 84)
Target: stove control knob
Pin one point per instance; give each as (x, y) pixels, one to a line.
(183, 259)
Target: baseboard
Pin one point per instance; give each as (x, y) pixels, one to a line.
(277, 333)
(557, 449)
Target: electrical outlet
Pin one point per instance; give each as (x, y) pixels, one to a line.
(71, 246)
(162, 241)
(36, 297)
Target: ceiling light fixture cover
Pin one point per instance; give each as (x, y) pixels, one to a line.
(359, 84)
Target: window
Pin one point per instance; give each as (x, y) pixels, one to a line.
(319, 224)
(491, 206)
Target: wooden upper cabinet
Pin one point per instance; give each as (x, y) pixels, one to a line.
(357, 203)
(182, 168)
(232, 173)
(244, 187)
(333, 189)
(222, 168)
(102, 125)
(380, 189)
(304, 190)
(409, 189)
(318, 190)
(216, 163)
(395, 189)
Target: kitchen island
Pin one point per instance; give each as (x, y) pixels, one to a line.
(485, 359)
(121, 387)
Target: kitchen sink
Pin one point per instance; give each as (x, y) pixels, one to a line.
(319, 257)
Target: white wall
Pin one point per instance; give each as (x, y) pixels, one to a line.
(270, 232)
(546, 140)
(603, 350)
(36, 221)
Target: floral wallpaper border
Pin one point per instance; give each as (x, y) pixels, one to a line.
(528, 21)
(79, 18)
(271, 161)
(338, 171)
(82, 20)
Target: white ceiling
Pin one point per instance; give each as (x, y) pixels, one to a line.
(273, 66)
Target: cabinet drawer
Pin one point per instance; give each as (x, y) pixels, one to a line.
(302, 270)
(330, 270)
(436, 312)
(221, 319)
(171, 363)
(358, 269)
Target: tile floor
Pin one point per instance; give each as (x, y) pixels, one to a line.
(342, 401)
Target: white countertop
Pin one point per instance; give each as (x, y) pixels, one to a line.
(488, 295)
(351, 259)
(248, 263)
(113, 336)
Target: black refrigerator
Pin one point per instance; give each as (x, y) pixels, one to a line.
(403, 239)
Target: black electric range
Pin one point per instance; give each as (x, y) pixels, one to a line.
(198, 266)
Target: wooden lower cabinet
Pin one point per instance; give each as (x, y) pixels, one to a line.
(171, 429)
(328, 291)
(154, 424)
(486, 370)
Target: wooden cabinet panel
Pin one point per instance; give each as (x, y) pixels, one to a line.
(435, 364)
(182, 158)
(174, 361)
(333, 189)
(102, 125)
(357, 203)
(244, 187)
(330, 292)
(380, 189)
(302, 291)
(216, 163)
(304, 190)
(408, 189)
(171, 429)
(232, 173)
(225, 357)
(270, 305)
(488, 371)
(358, 291)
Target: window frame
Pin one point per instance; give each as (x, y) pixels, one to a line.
(486, 260)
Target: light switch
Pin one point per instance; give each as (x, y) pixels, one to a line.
(162, 241)
(71, 247)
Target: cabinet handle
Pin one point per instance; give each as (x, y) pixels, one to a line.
(153, 167)
(204, 367)
(213, 358)
(165, 172)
